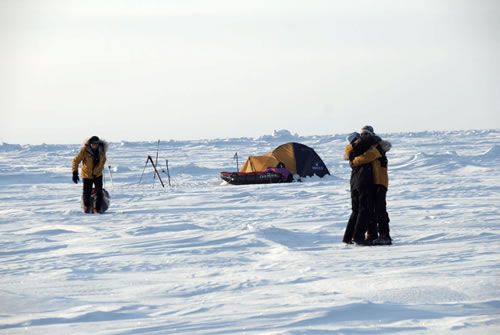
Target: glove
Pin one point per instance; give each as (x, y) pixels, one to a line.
(75, 177)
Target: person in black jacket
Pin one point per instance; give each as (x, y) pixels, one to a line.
(362, 193)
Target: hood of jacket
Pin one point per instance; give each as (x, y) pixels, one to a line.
(103, 144)
(385, 145)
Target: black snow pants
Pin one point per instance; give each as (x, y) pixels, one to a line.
(362, 214)
(381, 215)
(87, 193)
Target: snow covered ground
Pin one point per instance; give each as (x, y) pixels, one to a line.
(206, 258)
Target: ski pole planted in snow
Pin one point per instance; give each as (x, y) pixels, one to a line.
(156, 171)
(156, 160)
(168, 172)
(236, 158)
(110, 176)
(147, 160)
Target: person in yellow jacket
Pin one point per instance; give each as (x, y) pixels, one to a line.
(368, 140)
(92, 155)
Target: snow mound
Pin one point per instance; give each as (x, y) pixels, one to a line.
(280, 135)
(491, 153)
(9, 147)
(121, 169)
(193, 169)
(449, 160)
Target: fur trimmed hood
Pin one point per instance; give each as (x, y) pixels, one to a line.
(385, 145)
(102, 144)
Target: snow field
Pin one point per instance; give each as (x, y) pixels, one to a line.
(206, 258)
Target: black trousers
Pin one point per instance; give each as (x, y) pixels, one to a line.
(362, 214)
(87, 192)
(381, 215)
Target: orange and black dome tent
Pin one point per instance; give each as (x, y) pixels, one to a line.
(297, 158)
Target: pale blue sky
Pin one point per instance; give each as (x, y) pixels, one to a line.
(143, 70)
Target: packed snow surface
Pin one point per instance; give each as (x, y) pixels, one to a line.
(201, 257)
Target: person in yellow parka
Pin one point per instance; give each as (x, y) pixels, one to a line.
(362, 193)
(92, 155)
(381, 219)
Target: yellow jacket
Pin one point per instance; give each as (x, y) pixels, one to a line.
(372, 155)
(89, 171)
(380, 175)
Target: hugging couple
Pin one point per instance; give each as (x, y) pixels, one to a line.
(369, 221)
